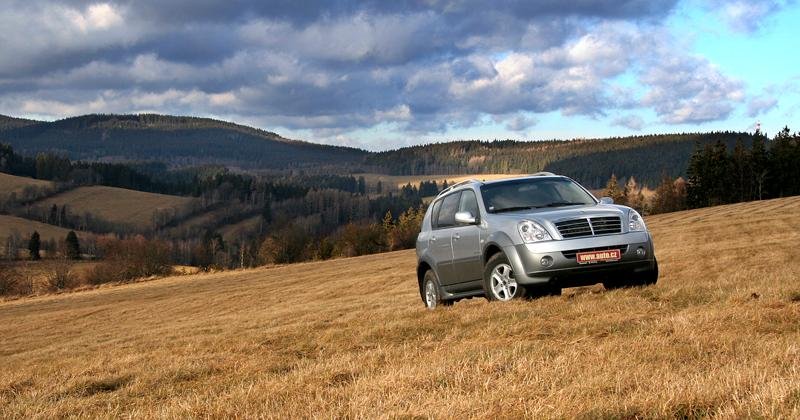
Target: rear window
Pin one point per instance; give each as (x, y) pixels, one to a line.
(435, 213)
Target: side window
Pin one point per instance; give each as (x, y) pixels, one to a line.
(447, 214)
(435, 214)
(469, 203)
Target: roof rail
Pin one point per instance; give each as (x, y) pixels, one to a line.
(457, 184)
(544, 174)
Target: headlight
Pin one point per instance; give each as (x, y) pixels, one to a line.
(532, 232)
(635, 221)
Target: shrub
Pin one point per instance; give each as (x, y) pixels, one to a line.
(128, 259)
(9, 280)
(61, 277)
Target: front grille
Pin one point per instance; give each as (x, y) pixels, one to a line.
(606, 225)
(577, 228)
(571, 253)
(574, 228)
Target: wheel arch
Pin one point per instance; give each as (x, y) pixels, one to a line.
(422, 268)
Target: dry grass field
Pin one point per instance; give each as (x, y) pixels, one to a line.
(11, 183)
(117, 205)
(718, 336)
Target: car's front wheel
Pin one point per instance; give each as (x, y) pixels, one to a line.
(648, 278)
(498, 280)
(431, 296)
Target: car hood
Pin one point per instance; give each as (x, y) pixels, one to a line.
(556, 214)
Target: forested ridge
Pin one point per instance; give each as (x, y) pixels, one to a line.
(178, 141)
(190, 141)
(588, 161)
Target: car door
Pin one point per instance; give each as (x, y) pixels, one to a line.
(440, 241)
(466, 245)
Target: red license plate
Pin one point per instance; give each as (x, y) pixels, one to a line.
(598, 256)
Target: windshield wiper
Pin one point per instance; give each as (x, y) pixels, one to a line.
(563, 203)
(515, 208)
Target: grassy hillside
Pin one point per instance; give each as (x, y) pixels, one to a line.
(176, 140)
(717, 336)
(25, 227)
(15, 184)
(118, 205)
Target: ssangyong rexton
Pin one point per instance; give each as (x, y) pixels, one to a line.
(525, 237)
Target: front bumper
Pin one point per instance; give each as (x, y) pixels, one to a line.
(528, 269)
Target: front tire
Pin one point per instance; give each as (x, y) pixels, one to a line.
(498, 280)
(431, 294)
(648, 278)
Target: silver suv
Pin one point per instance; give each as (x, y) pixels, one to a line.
(527, 237)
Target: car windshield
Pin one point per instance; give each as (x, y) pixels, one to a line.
(534, 193)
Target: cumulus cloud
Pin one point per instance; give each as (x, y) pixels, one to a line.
(333, 67)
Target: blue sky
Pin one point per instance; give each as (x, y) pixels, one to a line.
(381, 75)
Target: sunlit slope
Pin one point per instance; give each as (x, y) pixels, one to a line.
(118, 205)
(10, 225)
(17, 184)
(719, 335)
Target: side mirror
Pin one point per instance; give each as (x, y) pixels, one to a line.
(606, 200)
(465, 218)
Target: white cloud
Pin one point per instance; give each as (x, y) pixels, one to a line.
(760, 105)
(633, 122)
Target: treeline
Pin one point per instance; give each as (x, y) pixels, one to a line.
(766, 169)
(755, 168)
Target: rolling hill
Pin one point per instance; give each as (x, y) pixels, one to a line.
(24, 227)
(718, 336)
(180, 141)
(118, 205)
(16, 184)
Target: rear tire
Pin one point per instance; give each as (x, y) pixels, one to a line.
(431, 293)
(498, 280)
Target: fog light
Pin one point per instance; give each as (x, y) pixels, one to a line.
(640, 252)
(546, 261)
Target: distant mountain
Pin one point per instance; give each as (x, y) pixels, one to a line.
(182, 141)
(190, 141)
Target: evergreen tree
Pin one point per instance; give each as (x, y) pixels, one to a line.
(34, 245)
(53, 219)
(741, 173)
(362, 185)
(759, 164)
(72, 245)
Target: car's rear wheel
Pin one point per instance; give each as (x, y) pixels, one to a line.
(499, 282)
(431, 294)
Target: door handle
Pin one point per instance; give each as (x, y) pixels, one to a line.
(433, 239)
(457, 236)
